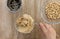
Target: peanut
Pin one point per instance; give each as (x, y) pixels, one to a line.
(53, 11)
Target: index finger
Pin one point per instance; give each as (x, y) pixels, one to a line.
(43, 28)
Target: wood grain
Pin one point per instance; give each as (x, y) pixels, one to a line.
(8, 25)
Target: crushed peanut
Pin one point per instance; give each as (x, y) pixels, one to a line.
(22, 22)
(25, 24)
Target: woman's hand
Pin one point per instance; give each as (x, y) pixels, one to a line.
(48, 31)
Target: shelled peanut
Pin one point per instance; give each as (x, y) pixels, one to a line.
(53, 11)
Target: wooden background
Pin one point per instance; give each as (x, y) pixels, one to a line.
(7, 20)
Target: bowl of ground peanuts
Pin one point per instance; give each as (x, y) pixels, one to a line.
(51, 12)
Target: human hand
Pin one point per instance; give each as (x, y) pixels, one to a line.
(48, 31)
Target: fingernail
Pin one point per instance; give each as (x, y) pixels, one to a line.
(41, 24)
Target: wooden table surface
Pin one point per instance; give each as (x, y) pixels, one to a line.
(7, 20)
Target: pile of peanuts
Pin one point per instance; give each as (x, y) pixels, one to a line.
(22, 22)
(53, 11)
(25, 23)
